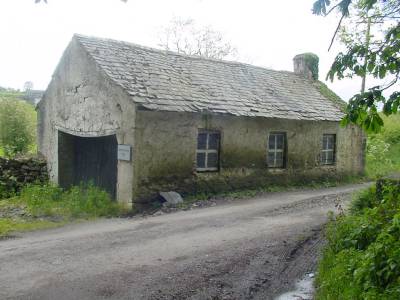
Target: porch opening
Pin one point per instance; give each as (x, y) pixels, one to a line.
(88, 159)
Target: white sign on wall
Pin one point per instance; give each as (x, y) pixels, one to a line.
(125, 152)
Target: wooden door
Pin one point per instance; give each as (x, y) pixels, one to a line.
(95, 160)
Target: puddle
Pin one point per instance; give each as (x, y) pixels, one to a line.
(304, 290)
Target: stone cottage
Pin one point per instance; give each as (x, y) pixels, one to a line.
(136, 121)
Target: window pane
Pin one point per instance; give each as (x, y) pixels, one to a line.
(280, 141)
(279, 155)
(212, 160)
(201, 160)
(271, 141)
(323, 157)
(213, 141)
(325, 142)
(279, 163)
(270, 160)
(279, 159)
(202, 141)
(328, 142)
(329, 155)
(328, 147)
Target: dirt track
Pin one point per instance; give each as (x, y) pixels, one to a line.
(246, 249)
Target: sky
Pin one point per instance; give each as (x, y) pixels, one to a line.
(267, 33)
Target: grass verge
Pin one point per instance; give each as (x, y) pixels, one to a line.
(8, 225)
(44, 206)
(248, 193)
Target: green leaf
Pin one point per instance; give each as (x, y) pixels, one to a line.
(382, 72)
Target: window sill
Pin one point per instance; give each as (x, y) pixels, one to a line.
(276, 170)
(207, 170)
(328, 165)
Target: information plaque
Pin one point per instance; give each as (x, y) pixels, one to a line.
(124, 152)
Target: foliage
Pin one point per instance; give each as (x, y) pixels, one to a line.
(312, 61)
(184, 36)
(364, 199)
(380, 60)
(362, 257)
(391, 132)
(17, 125)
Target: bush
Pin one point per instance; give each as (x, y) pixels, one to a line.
(364, 199)
(17, 126)
(362, 257)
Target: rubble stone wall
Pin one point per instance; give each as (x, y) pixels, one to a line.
(15, 173)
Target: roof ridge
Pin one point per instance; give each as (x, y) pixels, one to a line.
(169, 52)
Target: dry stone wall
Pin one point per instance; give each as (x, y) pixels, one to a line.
(15, 173)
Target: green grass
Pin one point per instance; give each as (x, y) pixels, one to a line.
(9, 225)
(362, 257)
(48, 206)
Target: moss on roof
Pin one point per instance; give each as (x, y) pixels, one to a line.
(331, 95)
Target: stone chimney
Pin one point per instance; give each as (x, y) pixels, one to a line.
(306, 64)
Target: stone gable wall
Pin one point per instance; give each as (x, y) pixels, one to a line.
(82, 101)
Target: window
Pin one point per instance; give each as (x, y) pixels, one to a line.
(208, 150)
(328, 149)
(276, 150)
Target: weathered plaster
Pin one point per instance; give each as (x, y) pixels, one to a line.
(81, 100)
(166, 146)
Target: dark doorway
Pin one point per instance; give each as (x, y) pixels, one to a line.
(88, 159)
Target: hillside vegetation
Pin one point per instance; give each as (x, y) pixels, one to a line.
(383, 149)
(362, 256)
(17, 124)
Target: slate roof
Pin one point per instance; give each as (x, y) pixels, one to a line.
(168, 81)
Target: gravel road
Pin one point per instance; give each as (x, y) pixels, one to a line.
(246, 249)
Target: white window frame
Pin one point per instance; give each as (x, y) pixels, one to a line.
(275, 150)
(207, 151)
(325, 150)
